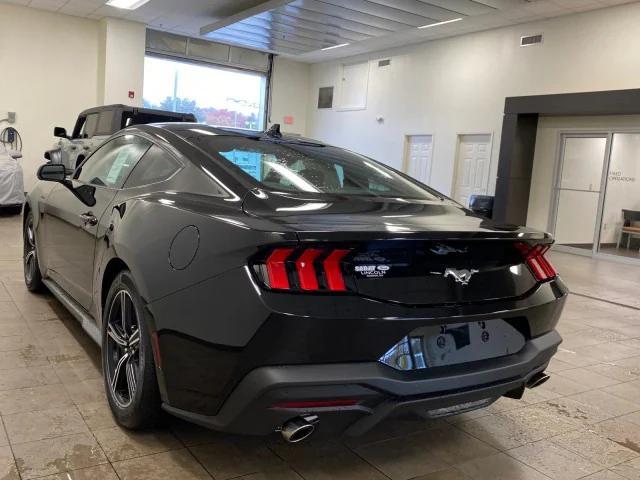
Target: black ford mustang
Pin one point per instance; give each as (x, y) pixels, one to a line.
(254, 283)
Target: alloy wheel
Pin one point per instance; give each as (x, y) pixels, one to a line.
(30, 260)
(123, 349)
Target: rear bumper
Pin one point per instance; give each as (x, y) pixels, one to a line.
(380, 390)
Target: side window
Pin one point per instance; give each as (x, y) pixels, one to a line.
(154, 167)
(105, 124)
(112, 163)
(90, 125)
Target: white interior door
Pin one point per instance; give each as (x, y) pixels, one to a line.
(472, 171)
(418, 157)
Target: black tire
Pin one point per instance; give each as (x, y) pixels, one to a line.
(130, 355)
(32, 275)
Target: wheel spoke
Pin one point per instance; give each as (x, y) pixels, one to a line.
(131, 378)
(30, 236)
(116, 372)
(134, 339)
(115, 336)
(123, 310)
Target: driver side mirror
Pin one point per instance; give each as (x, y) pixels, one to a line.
(60, 132)
(52, 172)
(56, 172)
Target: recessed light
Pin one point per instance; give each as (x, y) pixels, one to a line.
(441, 23)
(126, 4)
(335, 46)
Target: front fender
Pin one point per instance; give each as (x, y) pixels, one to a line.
(35, 202)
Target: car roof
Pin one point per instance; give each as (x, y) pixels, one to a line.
(188, 130)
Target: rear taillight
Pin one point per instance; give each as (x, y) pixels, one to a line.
(535, 259)
(333, 270)
(304, 269)
(277, 268)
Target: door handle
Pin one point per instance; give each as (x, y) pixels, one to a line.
(89, 219)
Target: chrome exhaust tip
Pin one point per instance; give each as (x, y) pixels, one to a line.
(299, 428)
(537, 379)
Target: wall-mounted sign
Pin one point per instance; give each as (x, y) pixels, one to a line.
(620, 177)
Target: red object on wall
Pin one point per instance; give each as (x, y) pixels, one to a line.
(288, 120)
(132, 94)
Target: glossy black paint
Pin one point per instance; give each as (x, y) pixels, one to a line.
(299, 329)
(189, 241)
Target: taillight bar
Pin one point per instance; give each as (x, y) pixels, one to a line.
(307, 270)
(333, 270)
(310, 269)
(277, 268)
(536, 261)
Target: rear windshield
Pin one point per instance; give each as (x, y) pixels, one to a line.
(302, 167)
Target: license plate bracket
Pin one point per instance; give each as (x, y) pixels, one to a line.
(453, 344)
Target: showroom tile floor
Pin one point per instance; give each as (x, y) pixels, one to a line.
(584, 423)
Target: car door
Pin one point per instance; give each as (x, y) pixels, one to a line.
(72, 216)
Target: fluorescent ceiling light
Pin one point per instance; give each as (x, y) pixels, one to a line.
(335, 46)
(441, 23)
(127, 4)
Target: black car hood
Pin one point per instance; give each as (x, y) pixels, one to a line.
(332, 216)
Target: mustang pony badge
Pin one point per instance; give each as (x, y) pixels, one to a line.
(463, 277)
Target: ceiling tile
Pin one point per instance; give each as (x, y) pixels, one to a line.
(546, 8)
(108, 11)
(16, 2)
(79, 7)
(47, 4)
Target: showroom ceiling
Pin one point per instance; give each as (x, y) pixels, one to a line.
(303, 26)
(318, 30)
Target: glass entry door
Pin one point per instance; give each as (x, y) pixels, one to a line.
(578, 191)
(620, 228)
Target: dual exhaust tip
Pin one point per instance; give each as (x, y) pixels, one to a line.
(300, 428)
(537, 379)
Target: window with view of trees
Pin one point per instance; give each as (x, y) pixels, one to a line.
(215, 95)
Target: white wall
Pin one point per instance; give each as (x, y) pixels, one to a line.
(289, 94)
(458, 85)
(48, 73)
(122, 48)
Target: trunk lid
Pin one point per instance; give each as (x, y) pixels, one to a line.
(439, 272)
(406, 251)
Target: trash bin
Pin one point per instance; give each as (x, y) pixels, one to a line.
(482, 205)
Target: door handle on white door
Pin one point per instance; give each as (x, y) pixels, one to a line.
(89, 219)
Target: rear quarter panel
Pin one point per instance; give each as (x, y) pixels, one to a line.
(144, 235)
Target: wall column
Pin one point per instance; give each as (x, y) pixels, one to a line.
(515, 167)
(121, 61)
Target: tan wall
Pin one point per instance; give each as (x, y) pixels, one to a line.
(49, 74)
(289, 97)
